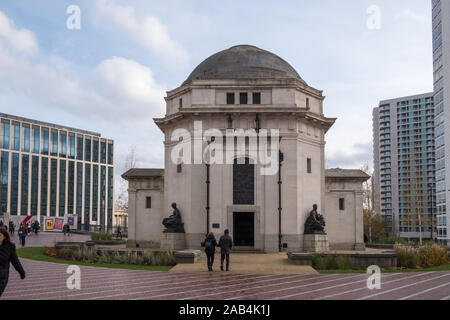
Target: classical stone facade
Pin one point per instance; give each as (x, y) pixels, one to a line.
(245, 88)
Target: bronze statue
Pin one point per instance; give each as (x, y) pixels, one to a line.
(173, 223)
(315, 223)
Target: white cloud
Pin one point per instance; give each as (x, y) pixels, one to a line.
(118, 89)
(411, 15)
(128, 81)
(19, 40)
(148, 32)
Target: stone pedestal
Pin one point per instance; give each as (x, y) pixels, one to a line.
(187, 256)
(315, 243)
(173, 241)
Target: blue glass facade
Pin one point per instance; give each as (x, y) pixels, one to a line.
(80, 148)
(62, 187)
(36, 141)
(95, 192)
(53, 186)
(24, 185)
(45, 141)
(14, 184)
(54, 151)
(44, 186)
(71, 187)
(79, 208)
(50, 172)
(34, 185)
(26, 139)
(4, 135)
(87, 193)
(102, 194)
(4, 161)
(16, 137)
(63, 139)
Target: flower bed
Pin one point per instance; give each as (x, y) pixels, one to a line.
(91, 255)
(425, 256)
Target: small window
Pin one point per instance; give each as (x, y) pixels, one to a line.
(308, 165)
(307, 103)
(256, 97)
(341, 204)
(148, 202)
(230, 98)
(181, 103)
(179, 168)
(243, 98)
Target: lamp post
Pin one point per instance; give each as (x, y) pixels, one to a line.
(280, 160)
(208, 182)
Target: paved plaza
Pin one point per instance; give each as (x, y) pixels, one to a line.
(48, 281)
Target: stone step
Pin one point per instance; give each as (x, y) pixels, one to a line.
(240, 249)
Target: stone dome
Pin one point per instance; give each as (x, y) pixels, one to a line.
(243, 62)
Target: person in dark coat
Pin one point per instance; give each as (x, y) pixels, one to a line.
(210, 244)
(22, 232)
(8, 254)
(225, 244)
(11, 227)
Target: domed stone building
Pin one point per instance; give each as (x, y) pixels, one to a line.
(238, 113)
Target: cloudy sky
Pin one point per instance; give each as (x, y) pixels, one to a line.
(111, 75)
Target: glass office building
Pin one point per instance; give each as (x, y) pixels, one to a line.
(404, 165)
(52, 170)
(441, 76)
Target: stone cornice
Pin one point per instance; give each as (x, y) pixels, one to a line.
(297, 113)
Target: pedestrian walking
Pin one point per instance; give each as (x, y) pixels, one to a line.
(225, 244)
(37, 227)
(8, 254)
(210, 244)
(119, 232)
(66, 229)
(22, 232)
(11, 227)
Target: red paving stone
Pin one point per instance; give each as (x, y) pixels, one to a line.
(48, 281)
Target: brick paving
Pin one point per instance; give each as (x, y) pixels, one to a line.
(48, 281)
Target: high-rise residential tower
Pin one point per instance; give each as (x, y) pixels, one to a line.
(404, 165)
(48, 170)
(441, 77)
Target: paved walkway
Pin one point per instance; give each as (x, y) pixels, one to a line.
(48, 239)
(48, 281)
(242, 263)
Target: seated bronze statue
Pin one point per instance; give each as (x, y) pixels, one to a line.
(315, 223)
(173, 223)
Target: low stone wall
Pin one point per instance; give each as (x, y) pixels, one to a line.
(380, 246)
(384, 260)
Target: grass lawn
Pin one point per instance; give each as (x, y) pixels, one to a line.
(38, 254)
(444, 267)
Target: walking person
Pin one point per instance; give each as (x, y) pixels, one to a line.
(37, 226)
(225, 244)
(119, 232)
(8, 254)
(11, 227)
(210, 244)
(22, 232)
